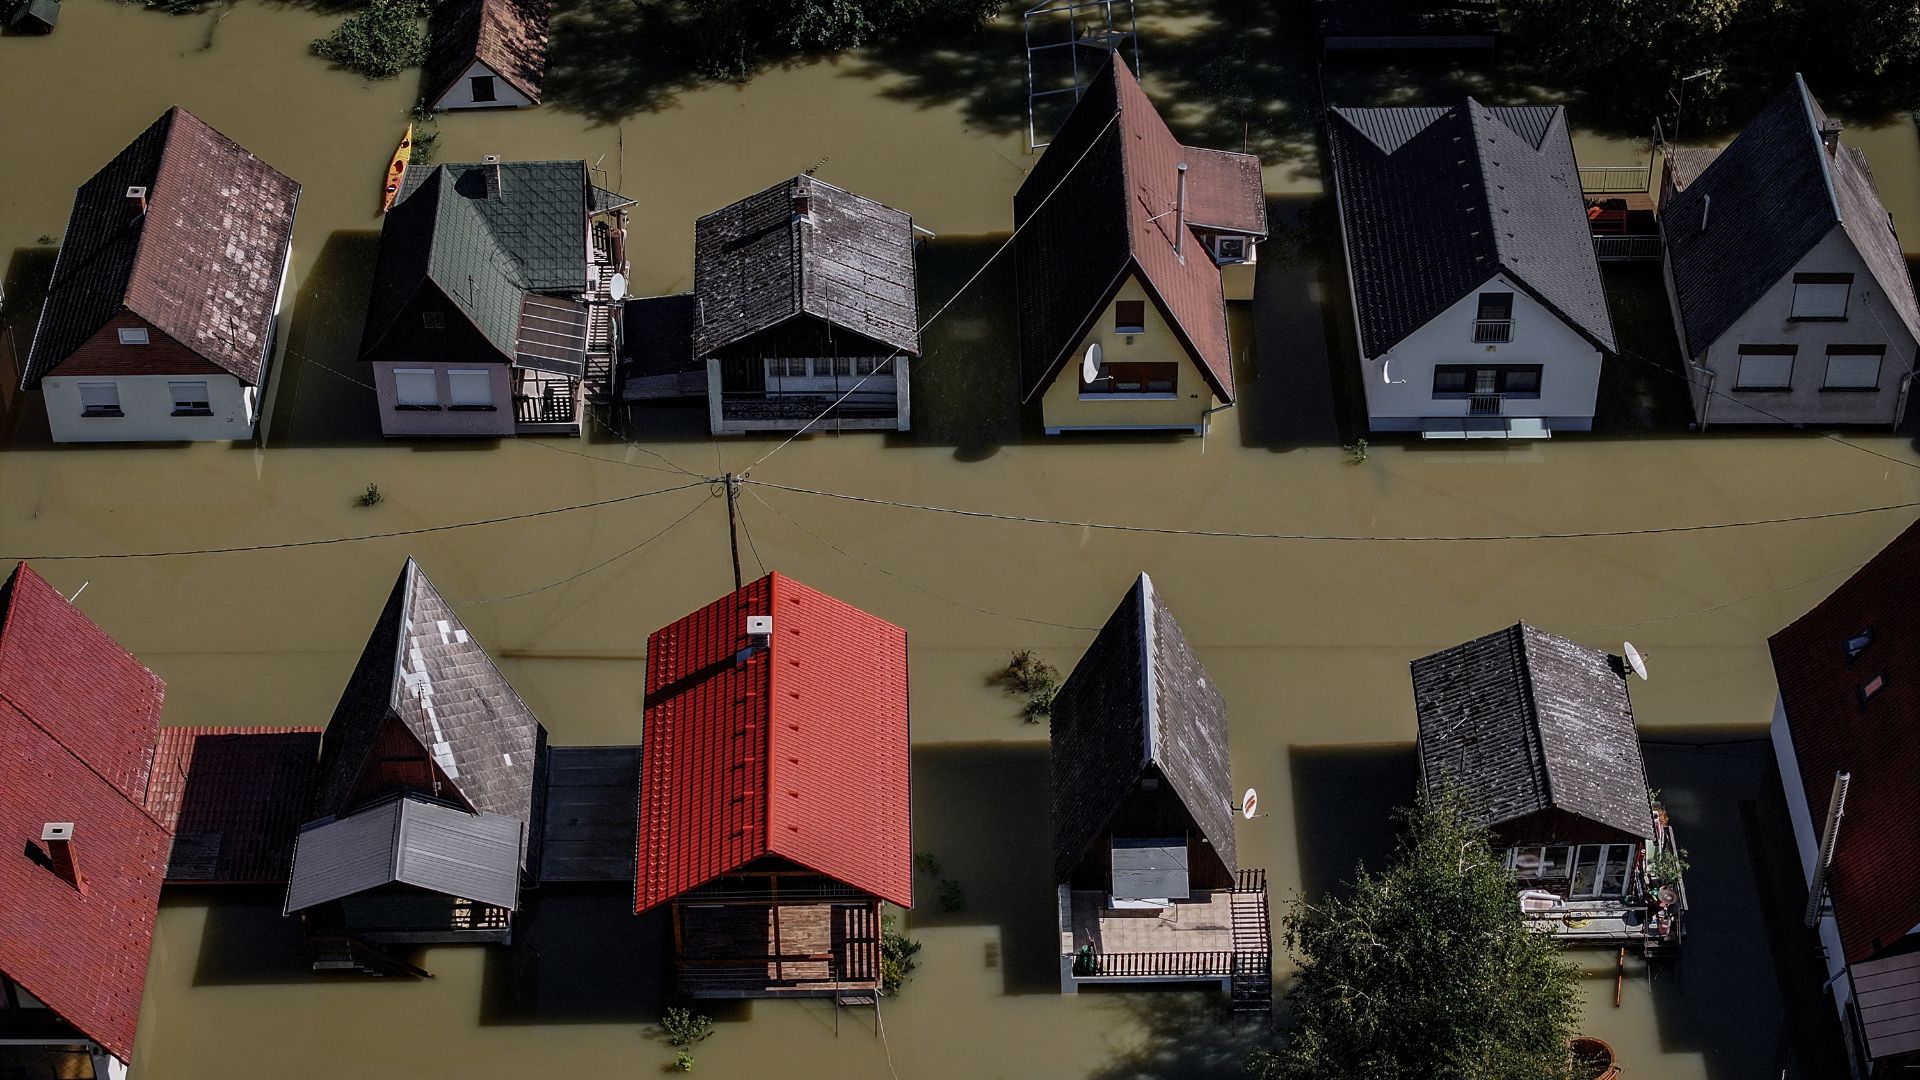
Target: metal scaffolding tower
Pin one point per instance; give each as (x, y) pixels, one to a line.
(1055, 65)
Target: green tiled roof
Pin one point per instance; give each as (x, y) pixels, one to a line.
(484, 250)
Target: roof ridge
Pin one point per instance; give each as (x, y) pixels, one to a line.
(1149, 685)
(1536, 739)
(1814, 116)
(172, 119)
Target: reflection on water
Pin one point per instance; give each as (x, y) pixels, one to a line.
(1308, 641)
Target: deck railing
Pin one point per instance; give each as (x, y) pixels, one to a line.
(1492, 331)
(807, 404)
(1153, 965)
(544, 403)
(1485, 405)
(1643, 248)
(1615, 179)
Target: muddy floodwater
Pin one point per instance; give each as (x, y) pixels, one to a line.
(1308, 639)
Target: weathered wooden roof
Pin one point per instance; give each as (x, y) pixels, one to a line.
(509, 36)
(1521, 721)
(1138, 699)
(847, 261)
(422, 668)
(411, 841)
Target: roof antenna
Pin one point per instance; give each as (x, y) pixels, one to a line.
(78, 591)
(824, 158)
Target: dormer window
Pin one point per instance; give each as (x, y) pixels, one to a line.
(1858, 643)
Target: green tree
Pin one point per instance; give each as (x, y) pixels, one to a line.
(379, 42)
(1425, 969)
(733, 37)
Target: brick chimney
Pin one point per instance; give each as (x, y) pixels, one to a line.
(136, 201)
(490, 169)
(58, 836)
(802, 198)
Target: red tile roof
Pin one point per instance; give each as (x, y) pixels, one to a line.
(1071, 260)
(798, 751)
(234, 798)
(77, 723)
(1875, 880)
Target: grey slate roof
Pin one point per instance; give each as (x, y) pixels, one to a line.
(1138, 699)
(409, 841)
(1775, 193)
(422, 668)
(1520, 721)
(1435, 201)
(848, 262)
(484, 251)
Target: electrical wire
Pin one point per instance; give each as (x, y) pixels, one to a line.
(605, 562)
(1225, 534)
(1728, 604)
(751, 546)
(951, 300)
(502, 519)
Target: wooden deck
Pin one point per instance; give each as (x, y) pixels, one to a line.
(762, 949)
(1201, 924)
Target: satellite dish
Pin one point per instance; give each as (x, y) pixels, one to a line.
(617, 288)
(1636, 660)
(1090, 364)
(1249, 803)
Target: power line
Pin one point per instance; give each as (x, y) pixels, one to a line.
(951, 300)
(1730, 603)
(605, 562)
(751, 546)
(1587, 534)
(528, 515)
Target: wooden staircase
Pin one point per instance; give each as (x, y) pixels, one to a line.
(1251, 984)
(343, 952)
(602, 312)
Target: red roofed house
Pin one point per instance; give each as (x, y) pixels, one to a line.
(1123, 238)
(774, 809)
(1849, 675)
(80, 860)
(159, 321)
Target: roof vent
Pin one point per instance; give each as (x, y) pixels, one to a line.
(137, 201)
(1180, 211)
(490, 170)
(58, 836)
(759, 631)
(1706, 207)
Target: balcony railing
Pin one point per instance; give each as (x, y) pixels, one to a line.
(1152, 965)
(1485, 404)
(544, 403)
(1615, 179)
(1492, 331)
(1638, 248)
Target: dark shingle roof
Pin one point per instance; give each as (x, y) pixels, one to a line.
(1435, 201)
(1520, 721)
(1139, 698)
(847, 262)
(1875, 878)
(202, 264)
(1778, 193)
(483, 250)
(1098, 207)
(422, 668)
(509, 36)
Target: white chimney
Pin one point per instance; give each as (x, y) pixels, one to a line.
(759, 631)
(137, 200)
(58, 836)
(490, 169)
(1180, 215)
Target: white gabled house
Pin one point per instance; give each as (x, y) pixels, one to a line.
(487, 54)
(1790, 292)
(1477, 296)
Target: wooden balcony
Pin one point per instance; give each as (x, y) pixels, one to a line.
(1215, 935)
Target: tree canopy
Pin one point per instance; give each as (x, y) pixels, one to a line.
(1425, 969)
(735, 36)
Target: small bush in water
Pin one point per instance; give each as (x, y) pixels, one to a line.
(379, 42)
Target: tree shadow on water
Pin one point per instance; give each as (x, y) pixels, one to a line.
(609, 59)
(1182, 1034)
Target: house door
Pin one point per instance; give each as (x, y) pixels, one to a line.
(1600, 871)
(743, 376)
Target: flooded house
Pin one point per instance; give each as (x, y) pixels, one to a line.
(1848, 747)
(81, 862)
(1791, 296)
(1476, 291)
(1128, 246)
(31, 16)
(494, 310)
(1536, 734)
(160, 318)
(425, 800)
(486, 54)
(1143, 812)
(804, 314)
(775, 817)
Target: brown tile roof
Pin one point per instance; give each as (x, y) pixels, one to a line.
(1875, 879)
(234, 798)
(509, 36)
(1112, 174)
(1225, 192)
(202, 264)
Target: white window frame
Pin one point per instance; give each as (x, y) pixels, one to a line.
(190, 397)
(1852, 380)
(133, 335)
(471, 377)
(101, 392)
(492, 84)
(1762, 361)
(1821, 299)
(1604, 861)
(1231, 249)
(400, 379)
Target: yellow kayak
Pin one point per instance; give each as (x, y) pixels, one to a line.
(397, 169)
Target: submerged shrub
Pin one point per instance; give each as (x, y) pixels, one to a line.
(379, 42)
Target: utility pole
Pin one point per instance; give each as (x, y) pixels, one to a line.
(733, 534)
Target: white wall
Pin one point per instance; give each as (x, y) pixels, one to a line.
(460, 94)
(148, 408)
(1569, 377)
(398, 423)
(1870, 320)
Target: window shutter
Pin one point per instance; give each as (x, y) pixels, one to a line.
(470, 387)
(414, 386)
(1853, 370)
(1763, 371)
(1820, 296)
(99, 395)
